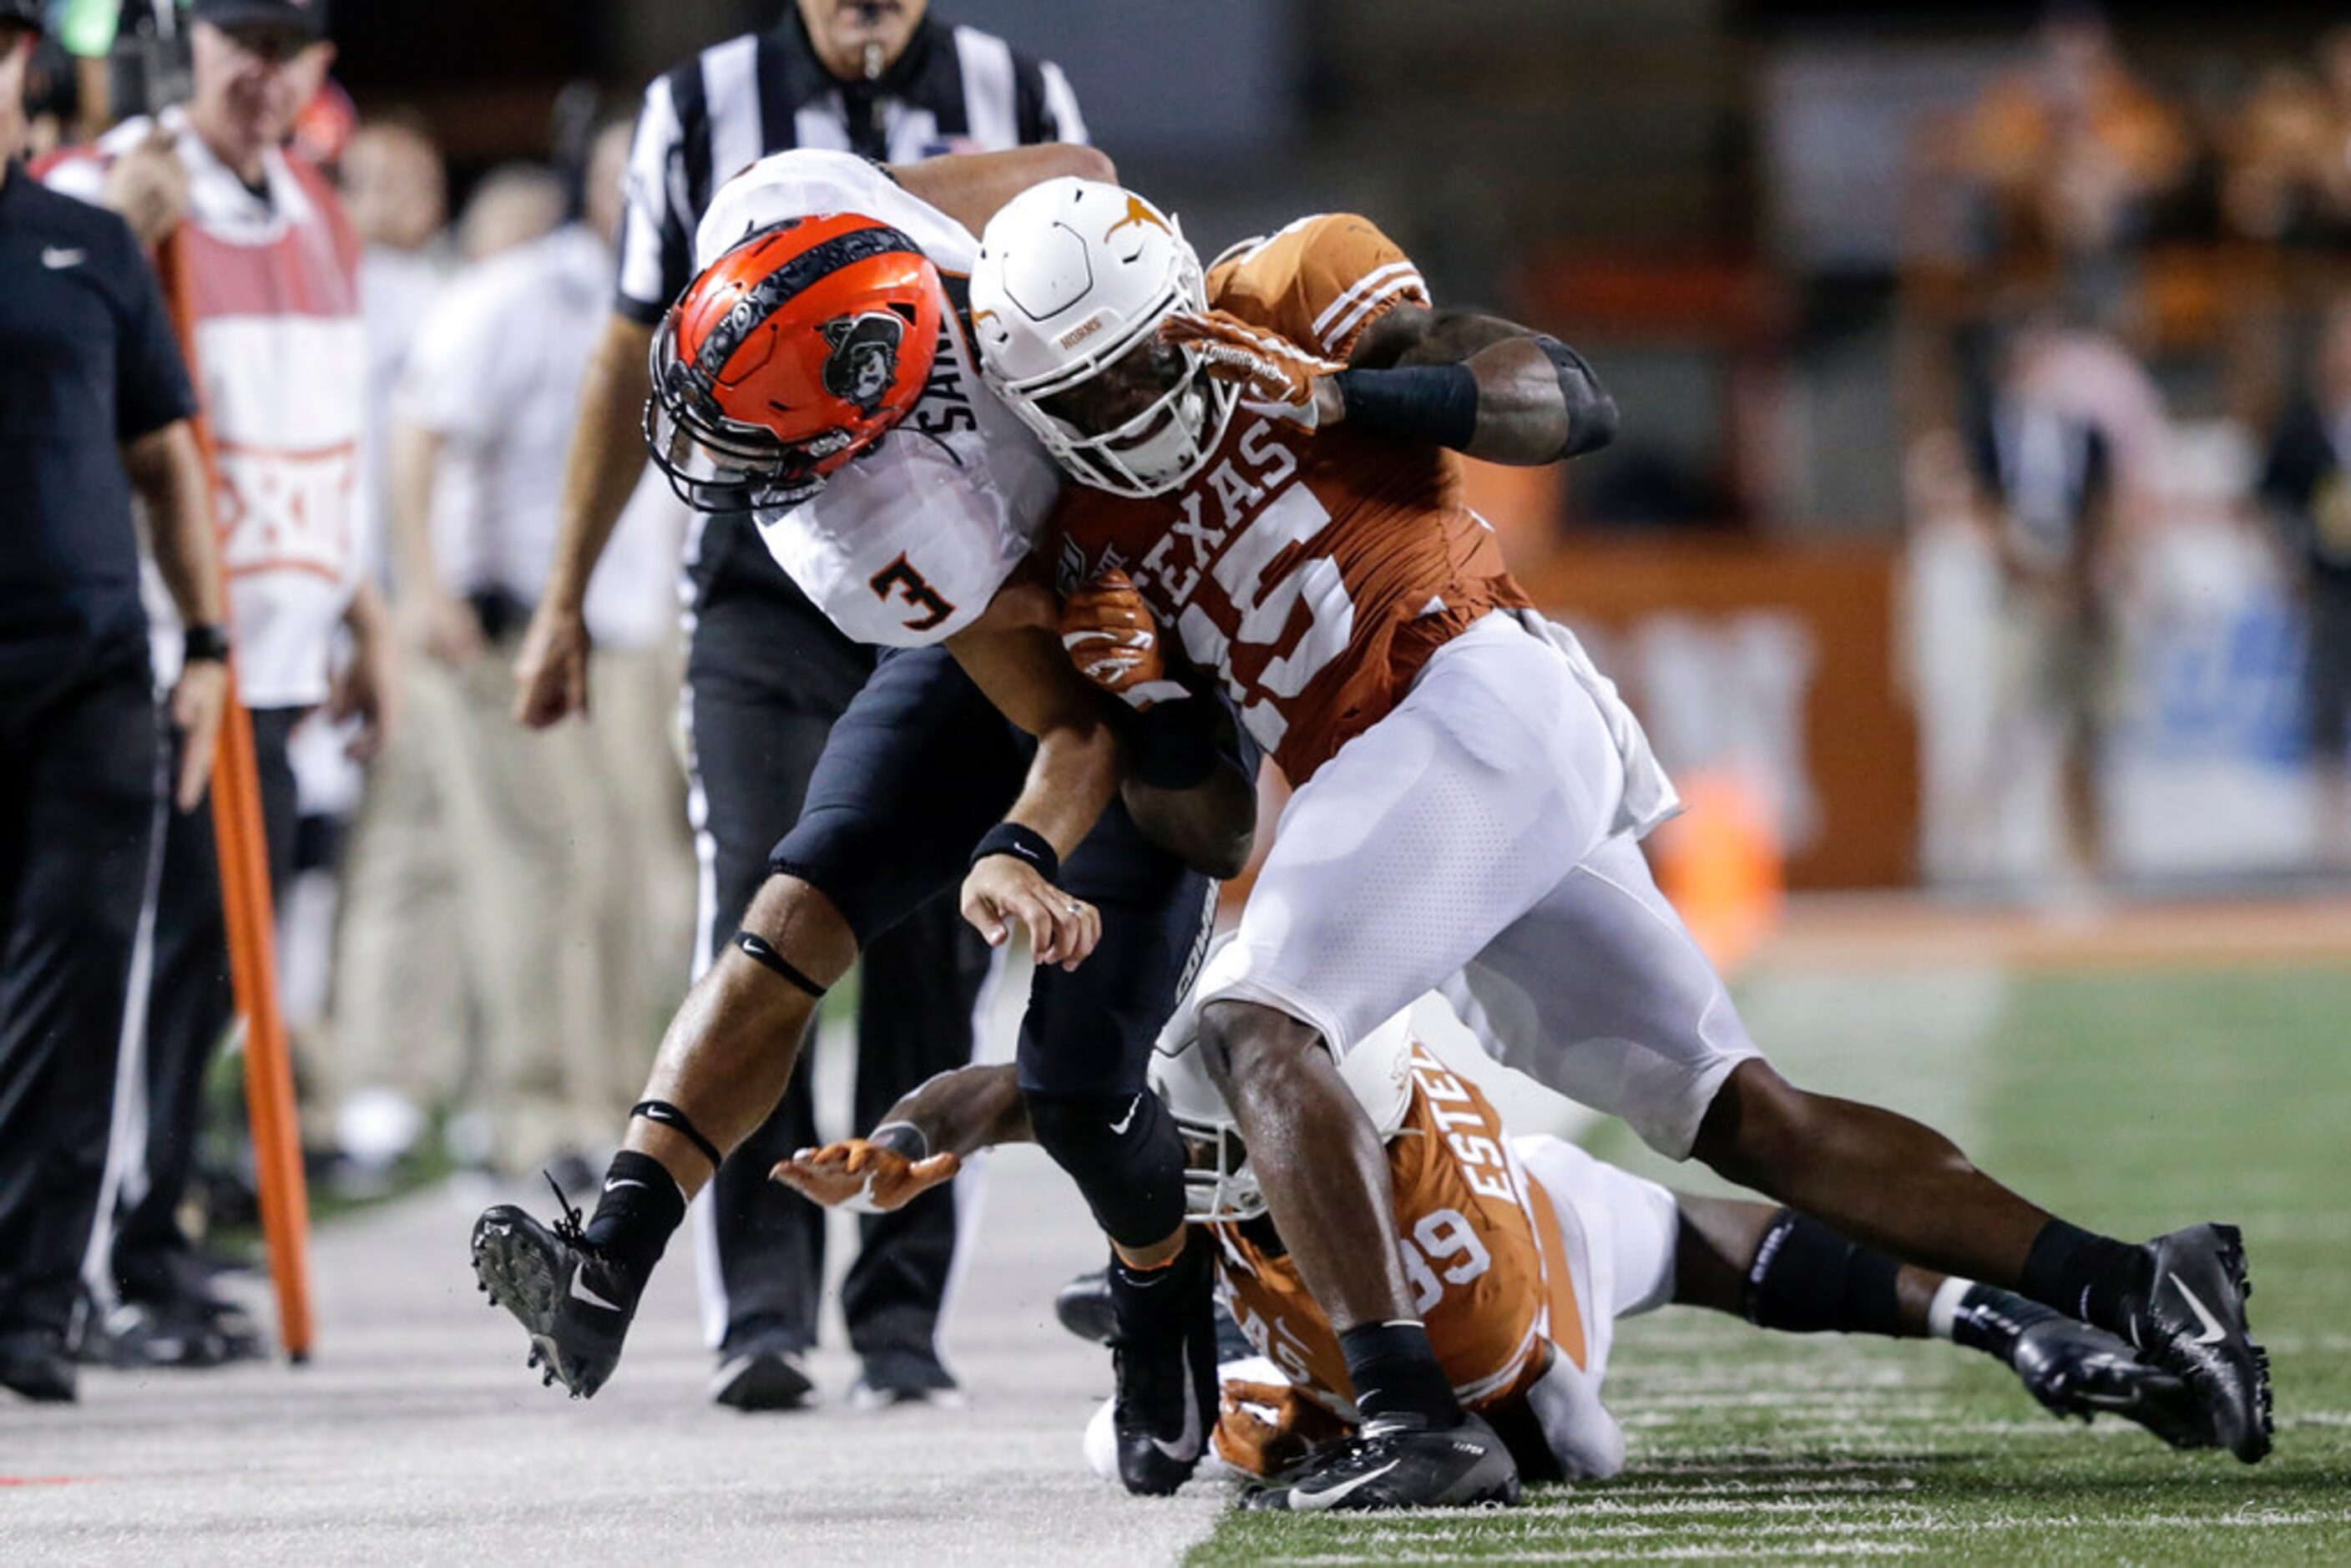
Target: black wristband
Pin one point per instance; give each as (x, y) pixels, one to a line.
(1023, 844)
(201, 643)
(1173, 746)
(901, 1137)
(1437, 403)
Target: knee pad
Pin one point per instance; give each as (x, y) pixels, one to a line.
(1126, 1155)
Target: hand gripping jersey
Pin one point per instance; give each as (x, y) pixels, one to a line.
(1315, 572)
(905, 546)
(1482, 1250)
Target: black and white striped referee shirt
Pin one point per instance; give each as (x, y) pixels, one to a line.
(955, 89)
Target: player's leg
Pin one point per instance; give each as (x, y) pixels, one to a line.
(1789, 1272)
(910, 777)
(1600, 993)
(1397, 862)
(1084, 1051)
(752, 748)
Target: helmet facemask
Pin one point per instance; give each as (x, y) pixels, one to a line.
(1135, 416)
(720, 464)
(1218, 1185)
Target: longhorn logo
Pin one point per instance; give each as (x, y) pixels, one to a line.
(1138, 212)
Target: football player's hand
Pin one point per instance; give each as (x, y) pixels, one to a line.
(1001, 891)
(1114, 642)
(1276, 377)
(862, 1177)
(1264, 1429)
(551, 671)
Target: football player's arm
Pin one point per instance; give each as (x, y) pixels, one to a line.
(1013, 654)
(1210, 825)
(1482, 386)
(969, 186)
(1186, 782)
(920, 1141)
(1526, 398)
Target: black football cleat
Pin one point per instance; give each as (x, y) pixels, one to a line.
(1166, 1357)
(1398, 1464)
(2193, 1323)
(2075, 1370)
(573, 1301)
(1084, 1307)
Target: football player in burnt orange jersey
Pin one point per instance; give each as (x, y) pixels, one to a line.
(1520, 1252)
(1269, 451)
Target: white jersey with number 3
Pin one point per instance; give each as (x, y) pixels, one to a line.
(907, 544)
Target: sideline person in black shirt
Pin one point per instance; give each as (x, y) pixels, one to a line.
(94, 406)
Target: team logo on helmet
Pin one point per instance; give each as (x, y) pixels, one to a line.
(864, 358)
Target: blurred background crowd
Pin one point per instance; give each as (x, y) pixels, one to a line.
(1979, 520)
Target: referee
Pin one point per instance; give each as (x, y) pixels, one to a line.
(94, 404)
(766, 672)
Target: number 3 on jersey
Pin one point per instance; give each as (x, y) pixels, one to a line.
(900, 580)
(1293, 518)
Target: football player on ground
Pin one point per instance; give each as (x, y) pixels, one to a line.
(1520, 1253)
(817, 373)
(1269, 458)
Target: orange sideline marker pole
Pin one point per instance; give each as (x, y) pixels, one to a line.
(244, 857)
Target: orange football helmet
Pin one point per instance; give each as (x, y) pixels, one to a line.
(789, 356)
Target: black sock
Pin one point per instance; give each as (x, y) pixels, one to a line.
(1396, 1373)
(2094, 1278)
(1989, 1319)
(1153, 1304)
(640, 1206)
(1807, 1278)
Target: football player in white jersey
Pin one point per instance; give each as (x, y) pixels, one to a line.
(819, 374)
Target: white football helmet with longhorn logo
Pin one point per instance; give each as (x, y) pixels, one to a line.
(1073, 278)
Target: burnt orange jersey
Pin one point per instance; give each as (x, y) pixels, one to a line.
(1315, 573)
(1480, 1247)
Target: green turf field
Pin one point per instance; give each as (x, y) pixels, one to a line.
(2133, 1103)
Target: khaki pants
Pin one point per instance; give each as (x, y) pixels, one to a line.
(645, 905)
(554, 863)
(400, 1010)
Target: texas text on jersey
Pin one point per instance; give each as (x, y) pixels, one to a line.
(1482, 1248)
(1316, 572)
(905, 546)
